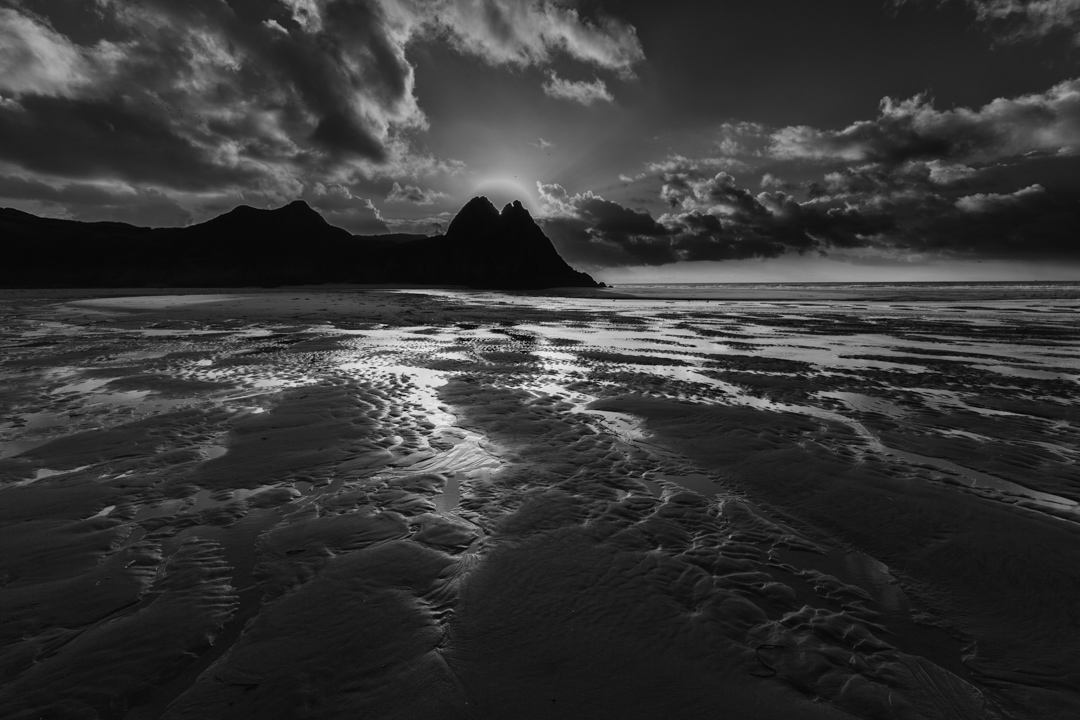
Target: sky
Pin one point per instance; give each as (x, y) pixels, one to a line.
(674, 141)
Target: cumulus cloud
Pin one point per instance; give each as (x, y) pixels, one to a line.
(920, 180)
(1025, 19)
(717, 221)
(914, 129)
(413, 194)
(578, 91)
(908, 210)
(770, 223)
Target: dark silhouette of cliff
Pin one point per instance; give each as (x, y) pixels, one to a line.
(485, 248)
(291, 245)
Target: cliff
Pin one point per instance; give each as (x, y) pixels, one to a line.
(290, 245)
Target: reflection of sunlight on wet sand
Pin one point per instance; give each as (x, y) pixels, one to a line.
(153, 302)
(470, 456)
(627, 429)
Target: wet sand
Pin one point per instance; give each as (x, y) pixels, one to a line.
(419, 503)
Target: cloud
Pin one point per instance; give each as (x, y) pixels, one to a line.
(194, 96)
(742, 224)
(94, 202)
(719, 193)
(36, 58)
(994, 182)
(594, 232)
(339, 206)
(719, 222)
(197, 97)
(582, 92)
(1025, 19)
(1031, 223)
(909, 211)
(433, 225)
(523, 32)
(22, 188)
(542, 144)
(413, 194)
(994, 202)
(91, 138)
(914, 129)
(682, 164)
(741, 138)
(768, 180)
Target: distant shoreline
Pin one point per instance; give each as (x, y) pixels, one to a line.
(732, 292)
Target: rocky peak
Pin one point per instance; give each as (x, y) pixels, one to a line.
(477, 217)
(295, 215)
(516, 212)
(298, 209)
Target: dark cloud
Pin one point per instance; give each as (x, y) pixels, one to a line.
(582, 245)
(21, 188)
(719, 222)
(1028, 224)
(915, 210)
(92, 202)
(892, 218)
(766, 225)
(719, 193)
(993, 182)
(618, 222)
(592, 231)
(90, 138)
(703, 236)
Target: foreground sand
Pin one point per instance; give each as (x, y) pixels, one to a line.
(451, 504)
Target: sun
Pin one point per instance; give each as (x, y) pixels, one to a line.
(501, 190)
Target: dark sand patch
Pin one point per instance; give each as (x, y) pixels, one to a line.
(969, 557)
(307, 430)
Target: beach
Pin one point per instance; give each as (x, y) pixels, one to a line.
(748, 502)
